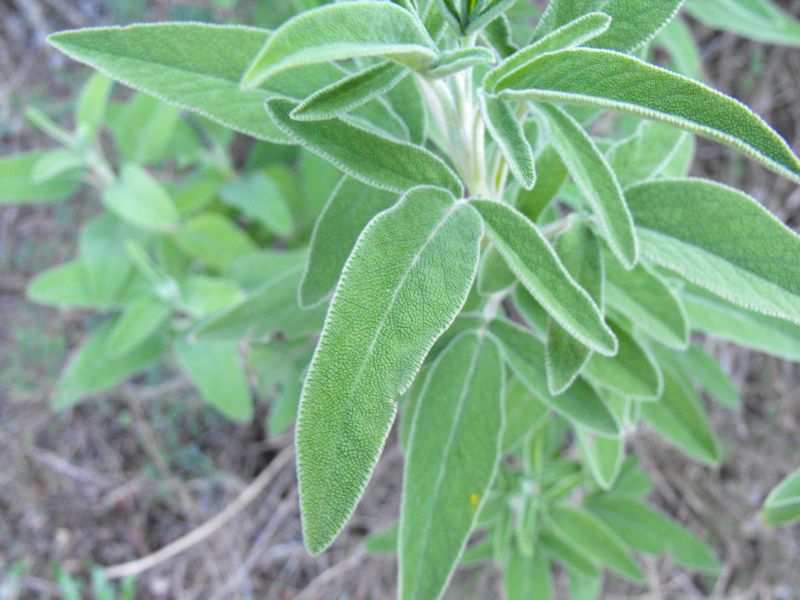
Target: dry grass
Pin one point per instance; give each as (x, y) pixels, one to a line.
(125, 475)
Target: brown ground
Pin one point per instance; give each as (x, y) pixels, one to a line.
(124, 475)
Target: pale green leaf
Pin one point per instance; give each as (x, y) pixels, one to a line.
(678, 39)
(444, 488)
(64, 286)
(61, 162)
(342, 31)
(350, 92)
(615, 81)
(596, 539)
(633, 24)
(138, 321)
(351, 206)
(580, 253)
(92, 104)
(494, 275)
(506, 130)
(782, 506)
(283, 409)
(214, 239)
(580, 403)
(554, 545)
(551, 173)
(17, 184)
(748, 257)
(761, 20)
(527, 577)
(371, 158)
(106, 265)
(255, 268)
(599, 186)
(383, 542)
(524, 413)
(406, 100)
(454, 61)
(200, 294)
(144, 128)
(649, 153)
(415, 263)
(706, 371)
(537, 266)
(141, 200)
(218, 372)
(260, 198)
(603, 455)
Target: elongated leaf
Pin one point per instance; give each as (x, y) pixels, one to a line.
(92, 104)
(744, 327)
(350, 92)
(506, 130)
(551, 173)
(681, 418)
(269, 308)
(633, 372)
(537, 266)
(218, 372)
(260, 198)
(65, 286)
(454, 61)
(17, 184)
(645, 299)
(783, 503)
(57, 163)
(706, 371)
(678, 39)
(615, 81)
(580, 253)
(524, 413)
(603, 455)
(139, 199)
(568, 35)
(445, 488)
(736, 258)
(373, 159)
(342, 31)
(416, 263)
(595, 539)
(351, 206)
(594, 177)
(580, 403)
(214, 239)
(140, 319)
(526, 577)
(648, 530)
(494, 275)
(761, 20)
(106, 265)
(632, 23)
(554, 544)
(648, 153)
(406, 100)
(486, 12)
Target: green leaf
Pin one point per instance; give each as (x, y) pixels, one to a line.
(64, 286)
(485, 13)
(351, 206)
(524, 413)
(218, 372)
(537, 266)
(596, 539)
(734, 259)
(644, 298)
(139, 320)
(17, 184)
(678, 40)
(603, 455)
(415, 263)
(554, 545)
(93, 369)
(214, 239)
(744, 327)
(383, 542)
(92, 104)
(454, 61)
(580, 254)
(194, 66)
(144, 128)
(260, 198)
(633, 372)
(599, 186)
(783, 503)
(255, 268)
(406, 100)
(371, 158)
(506, 130)
(60, 162)
(283, 410)
(568, 35)
(524, 353)
(527, 577)
(551, 173)
(108, 269)
(614, 81)
(350, 92)
(444, 487)
(681, 418)
(760, 20)
(141, 200)
(343, 31)
(494, 275)
(632, 24)
(200, 294)
(705, 370)
(649, 153)
(270, 308)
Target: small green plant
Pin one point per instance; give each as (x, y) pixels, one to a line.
(522, 290)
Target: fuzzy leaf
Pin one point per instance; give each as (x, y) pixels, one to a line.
(494, 275)
(537, 266)
(705, 370)
(218, 372)
(551, 173)
(632, 23)
(748, 257)
(580, 253)
(524, 413)
(343, 31)
(593, 175)
(351, 206)
(373, 159)
(457, 60)
(141, 200)
(506, 130)
(644, 298)
(580, 403)
(405, 99)
(527, 577)
(678, 40)
(260, 198)
(350, 92)
(415, 263)
(782, 506)
(761, 20)
(614, 81)
(603, 455)
(444, 488)
(214, 239)
(649, 153)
